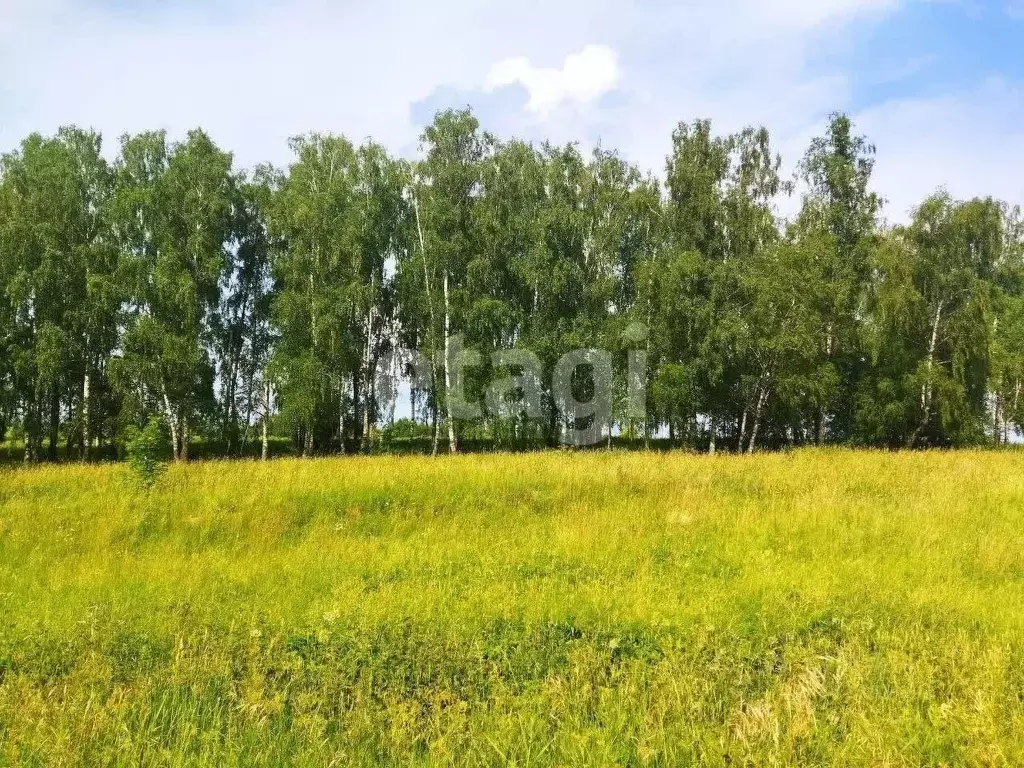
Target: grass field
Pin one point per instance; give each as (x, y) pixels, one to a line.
(831, 608)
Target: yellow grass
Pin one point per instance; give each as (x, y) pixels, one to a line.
(816, 608)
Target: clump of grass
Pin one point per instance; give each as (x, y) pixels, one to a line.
(819, 608)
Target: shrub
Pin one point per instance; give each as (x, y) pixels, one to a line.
(146, 450)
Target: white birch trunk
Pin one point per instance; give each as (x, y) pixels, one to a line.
(453, 444)
(186, 436)
(341, 414)
(368, 377)
(265, 447)
(1013, 413)
(86, 437)
(926, 388)
(172, 422)
(762, 398)
(430, 309)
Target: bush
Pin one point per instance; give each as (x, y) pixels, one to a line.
(406, 429)
(146, 450)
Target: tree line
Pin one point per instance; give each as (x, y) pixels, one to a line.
(240, 306)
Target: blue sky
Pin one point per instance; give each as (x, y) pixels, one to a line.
(938, 85)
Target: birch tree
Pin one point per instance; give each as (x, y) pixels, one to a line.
(313, 216)
(57, 262)
(174, 211)
(449, 186)
(839, 214)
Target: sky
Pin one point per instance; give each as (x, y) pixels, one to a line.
(936, 85)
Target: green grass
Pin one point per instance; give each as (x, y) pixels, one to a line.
(832, 608)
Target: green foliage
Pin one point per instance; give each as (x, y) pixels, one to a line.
(336, 219)
(167, 282)
(146, 451)
(405, 429)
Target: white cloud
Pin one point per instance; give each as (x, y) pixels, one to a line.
(583, 78)
(255, 73)
(814, 13)
(254, 76)
(970, 143)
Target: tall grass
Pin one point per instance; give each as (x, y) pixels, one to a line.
(815, 608)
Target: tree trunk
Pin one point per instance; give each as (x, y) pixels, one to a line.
(86, 436)
(1013, 413)
(712, 427)
(996, 431)
(437, 430)
(395, 372)
(762, 398)
(819, 412)
(73, 441)
(368, 372)
(98, 426)
(372, 415)
(743, 429)
(926, 388)
(430, 310)
(186, 436)
(54, 423)
(358, 407)
(307, 443)
(172, 422)
(367, 436)
(453, 443)
(33, 406)
(265, 448)
(553, 427)
(235, 364)
(341, 416)
(30, 429)
(230, 427)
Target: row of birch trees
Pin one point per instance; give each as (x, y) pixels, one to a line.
(312, 303)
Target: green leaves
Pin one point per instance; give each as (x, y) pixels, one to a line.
(167, 282)
(174, 211)
(55, 253)
(146, 450)
(338, 218)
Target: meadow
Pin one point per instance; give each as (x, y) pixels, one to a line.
(602, 608)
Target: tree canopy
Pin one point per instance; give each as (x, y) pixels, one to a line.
(306, 304)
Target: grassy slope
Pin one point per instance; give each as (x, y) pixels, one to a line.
(816, 608)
